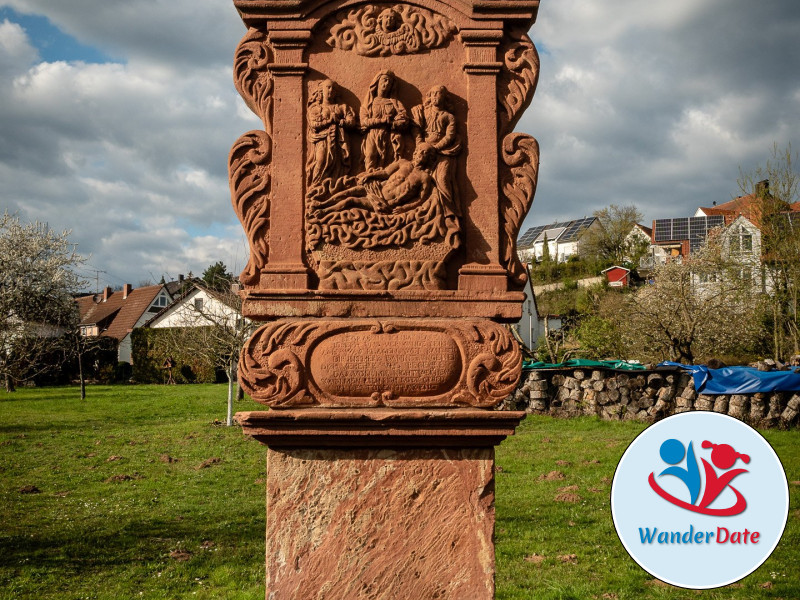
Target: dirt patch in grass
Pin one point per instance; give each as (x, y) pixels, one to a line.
(553, 476)
(29, 489)
(567, 497)
(536, 559)
(122, 477)
(569, 559)
(208, 462)
(180, 555)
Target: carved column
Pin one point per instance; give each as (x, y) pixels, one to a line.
(482, 270)
(286, 268)
(382, 202)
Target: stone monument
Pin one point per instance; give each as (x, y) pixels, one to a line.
(382, 200)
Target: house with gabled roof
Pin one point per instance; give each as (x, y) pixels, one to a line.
(115, 314)
(197, 306)
(562, 238)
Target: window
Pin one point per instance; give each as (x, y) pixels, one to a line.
(741, 242)
(198, 304)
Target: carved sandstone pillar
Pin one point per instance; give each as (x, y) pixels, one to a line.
(381, 202)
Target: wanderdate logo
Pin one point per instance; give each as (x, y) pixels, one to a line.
(699, 500)
(723, 457)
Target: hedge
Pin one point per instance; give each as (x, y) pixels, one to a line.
(151, 347)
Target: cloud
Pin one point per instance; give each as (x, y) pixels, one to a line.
(123, 154)
(653, 103)
(659, 103)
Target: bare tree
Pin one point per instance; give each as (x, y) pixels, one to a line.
(208, 324)
(706, 306)
(36, 304)
(611, 240)
(775, 187)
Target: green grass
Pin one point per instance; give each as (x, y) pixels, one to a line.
(530, 521)
(174, 530)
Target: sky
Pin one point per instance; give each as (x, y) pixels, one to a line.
(116, 118)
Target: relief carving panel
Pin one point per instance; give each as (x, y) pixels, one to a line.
(394, 224)
(396, 363)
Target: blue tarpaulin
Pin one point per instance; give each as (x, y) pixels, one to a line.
(739, 380)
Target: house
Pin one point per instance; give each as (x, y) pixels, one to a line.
(617, 276)
(197, 306)
(562, 238)
(676, 239)
(116, 314)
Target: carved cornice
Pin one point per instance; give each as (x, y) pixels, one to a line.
(258, 11)
(342, 428)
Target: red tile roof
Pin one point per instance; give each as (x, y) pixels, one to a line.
(116, 316)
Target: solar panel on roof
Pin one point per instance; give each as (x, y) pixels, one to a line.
(571, 231)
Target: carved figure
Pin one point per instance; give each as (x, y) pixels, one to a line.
(328, 147)
(435, 124)
(383, 119)
(401, 186)
(401, 29)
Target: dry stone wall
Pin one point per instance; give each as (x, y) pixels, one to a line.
(642, 395)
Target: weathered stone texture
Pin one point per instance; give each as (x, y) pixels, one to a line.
(380, 524)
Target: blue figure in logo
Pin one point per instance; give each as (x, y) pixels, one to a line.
(672, 452)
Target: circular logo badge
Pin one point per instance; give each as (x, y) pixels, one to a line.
(699, 500)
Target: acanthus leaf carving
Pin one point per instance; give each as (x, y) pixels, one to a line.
(383, 31)
(354, 362)
(382, 275)
(494, 375)
(520, 153)
(251, 74)
(249, 174)
(269, 368)
(518, 78)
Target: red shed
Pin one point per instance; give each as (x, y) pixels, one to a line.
(617, 276)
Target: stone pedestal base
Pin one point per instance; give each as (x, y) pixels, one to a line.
(380, 504)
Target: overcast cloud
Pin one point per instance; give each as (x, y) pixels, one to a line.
(653, 103)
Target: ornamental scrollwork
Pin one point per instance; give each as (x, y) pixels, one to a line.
(383, 31)
(252, 77)
(520, 153)
(492, 376)
(518, 78)
(382, 275)
(269, 367)
(249, 174)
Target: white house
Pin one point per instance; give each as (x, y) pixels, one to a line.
(563, 239)
(197, 307)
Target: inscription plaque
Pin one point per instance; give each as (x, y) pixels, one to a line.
(405, 363)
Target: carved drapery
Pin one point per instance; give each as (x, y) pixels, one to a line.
(383, 30)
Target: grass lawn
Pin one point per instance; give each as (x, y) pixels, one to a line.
(140, 494)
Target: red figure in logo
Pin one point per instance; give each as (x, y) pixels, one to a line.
(724, 457)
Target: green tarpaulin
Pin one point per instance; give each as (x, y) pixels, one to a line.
(622, 365)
